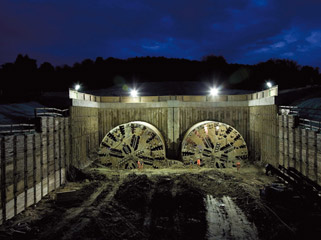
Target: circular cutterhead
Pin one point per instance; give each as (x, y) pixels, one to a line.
(128, 143)
(216, 144)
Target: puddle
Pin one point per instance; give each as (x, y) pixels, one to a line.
(226, 220)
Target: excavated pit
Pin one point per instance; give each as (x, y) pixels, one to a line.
(157, 204)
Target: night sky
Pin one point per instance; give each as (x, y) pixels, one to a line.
(243, 31)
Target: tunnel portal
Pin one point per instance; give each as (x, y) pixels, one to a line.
(128, 143)
(216, 144)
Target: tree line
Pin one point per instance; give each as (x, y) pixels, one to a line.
(24, 76)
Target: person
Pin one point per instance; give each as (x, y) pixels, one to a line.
(238, 165)
(199, 163)
(138, 164)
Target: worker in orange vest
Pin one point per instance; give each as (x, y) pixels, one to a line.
(138, 164)
(199, 163)
(238, 165)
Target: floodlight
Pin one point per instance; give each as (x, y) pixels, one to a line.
(269, 84)
(133, 93)
(77, 87)
(213, 91)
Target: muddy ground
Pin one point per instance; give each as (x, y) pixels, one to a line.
(98, 203)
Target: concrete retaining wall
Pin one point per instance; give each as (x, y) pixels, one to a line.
(32, 165)
(299, 148)
(253, 115)
(263, 131)
(173, 120)
(84, 134)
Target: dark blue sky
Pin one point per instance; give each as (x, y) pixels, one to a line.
(243, 31)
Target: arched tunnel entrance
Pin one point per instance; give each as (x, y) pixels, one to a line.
(215, 144)
(128, 143)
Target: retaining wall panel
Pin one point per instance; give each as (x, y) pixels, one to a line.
(30, 161)
(20, 169)
(304, 135)
(8, 173)
(1, 179)
(297, 135)
(10, 209)
(20, 202)
(30, 197)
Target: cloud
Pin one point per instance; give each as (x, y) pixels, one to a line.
(314, 38)
(290, 37)
(287, 54)
(296, 44)
(278, 45)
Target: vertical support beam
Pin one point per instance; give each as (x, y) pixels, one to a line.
(54, 151)
(170, 130)
(20, 174)
(51, 151)
(71, 148)
(15, 175)
(59, 149)
(290, 147)
(41, 163)
(312, 154)
(176, 136)
(34, 168)
(48, 156)
(30, 172)
(315, 149)
(298, 145)
(304, 152)
(318, 158)
(294, 159)
(65, 144)
(9, 187)
(3, 179)
(281, 140)
(25, 176)
(173, 128)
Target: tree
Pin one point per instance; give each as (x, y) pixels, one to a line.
(25, 64)
(46, 67)
(217, 60)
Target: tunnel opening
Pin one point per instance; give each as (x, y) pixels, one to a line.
(213, 144)
(208, 144)
(132, 145)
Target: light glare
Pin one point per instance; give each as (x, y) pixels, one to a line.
(214, 91)
(269, 84)
(133, 93)
(77, 87)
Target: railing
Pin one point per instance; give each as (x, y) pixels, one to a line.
(16, 128)
(305, 116)
(26, 127)
(50, 112)
(289, 110)
(310, 124)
